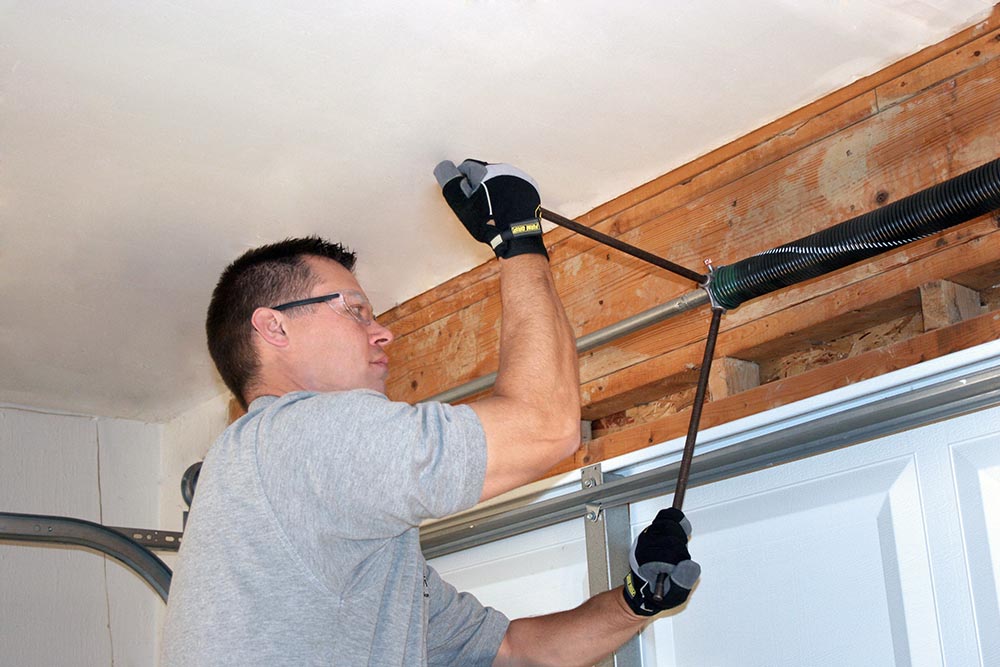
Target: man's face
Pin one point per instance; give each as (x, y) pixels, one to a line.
(329, 350)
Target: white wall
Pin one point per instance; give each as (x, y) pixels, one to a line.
(185, 440)
(66, 606)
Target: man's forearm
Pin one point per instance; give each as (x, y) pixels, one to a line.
(537, 348)
(581, 636)
(532, 419)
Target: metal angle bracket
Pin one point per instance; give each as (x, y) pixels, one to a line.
(608, 535)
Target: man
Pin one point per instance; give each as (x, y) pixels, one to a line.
(302, 546)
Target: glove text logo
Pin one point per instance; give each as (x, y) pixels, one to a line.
(526, 228)
(630, 585)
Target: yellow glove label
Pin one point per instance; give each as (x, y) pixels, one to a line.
(526, 228)
(629, 585)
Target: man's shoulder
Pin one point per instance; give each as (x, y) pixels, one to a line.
(308, 409)
(353, 399)
(347, 413)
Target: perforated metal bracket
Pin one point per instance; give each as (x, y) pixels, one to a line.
(161, 540)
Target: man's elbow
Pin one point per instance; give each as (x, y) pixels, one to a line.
(560, 434)
(571, 439)
(564, 420)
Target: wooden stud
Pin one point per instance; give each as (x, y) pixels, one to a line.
(944, 303)
(730, 376)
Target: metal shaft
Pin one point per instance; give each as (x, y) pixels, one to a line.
(612, 332)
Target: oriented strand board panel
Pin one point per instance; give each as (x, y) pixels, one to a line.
(920, 121)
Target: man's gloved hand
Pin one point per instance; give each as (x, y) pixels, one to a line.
(497, 203)
(661, 549)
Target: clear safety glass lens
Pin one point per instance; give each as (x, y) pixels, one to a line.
(356, 306)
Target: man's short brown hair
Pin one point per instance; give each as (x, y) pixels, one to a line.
(262, 277)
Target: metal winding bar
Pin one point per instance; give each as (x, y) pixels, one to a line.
(620, 245)
(696, 408)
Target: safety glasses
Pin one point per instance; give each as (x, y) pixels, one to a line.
(353, 304)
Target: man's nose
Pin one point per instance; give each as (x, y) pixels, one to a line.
(379, 334)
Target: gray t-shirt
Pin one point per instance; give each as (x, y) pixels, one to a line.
(302, 546)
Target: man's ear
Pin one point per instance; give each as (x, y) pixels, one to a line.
(270, 324)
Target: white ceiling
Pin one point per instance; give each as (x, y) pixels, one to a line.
(145, 144)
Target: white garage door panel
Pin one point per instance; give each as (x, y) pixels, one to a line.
(976, 465)
(527, 575)
(808, 573)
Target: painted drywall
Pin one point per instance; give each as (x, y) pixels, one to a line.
(61, 605)
(185, 441)
(68, 606)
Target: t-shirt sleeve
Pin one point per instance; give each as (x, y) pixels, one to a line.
(378, 466)
(460, 630)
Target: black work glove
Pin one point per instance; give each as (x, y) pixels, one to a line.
(661, 549)
(497, 203)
